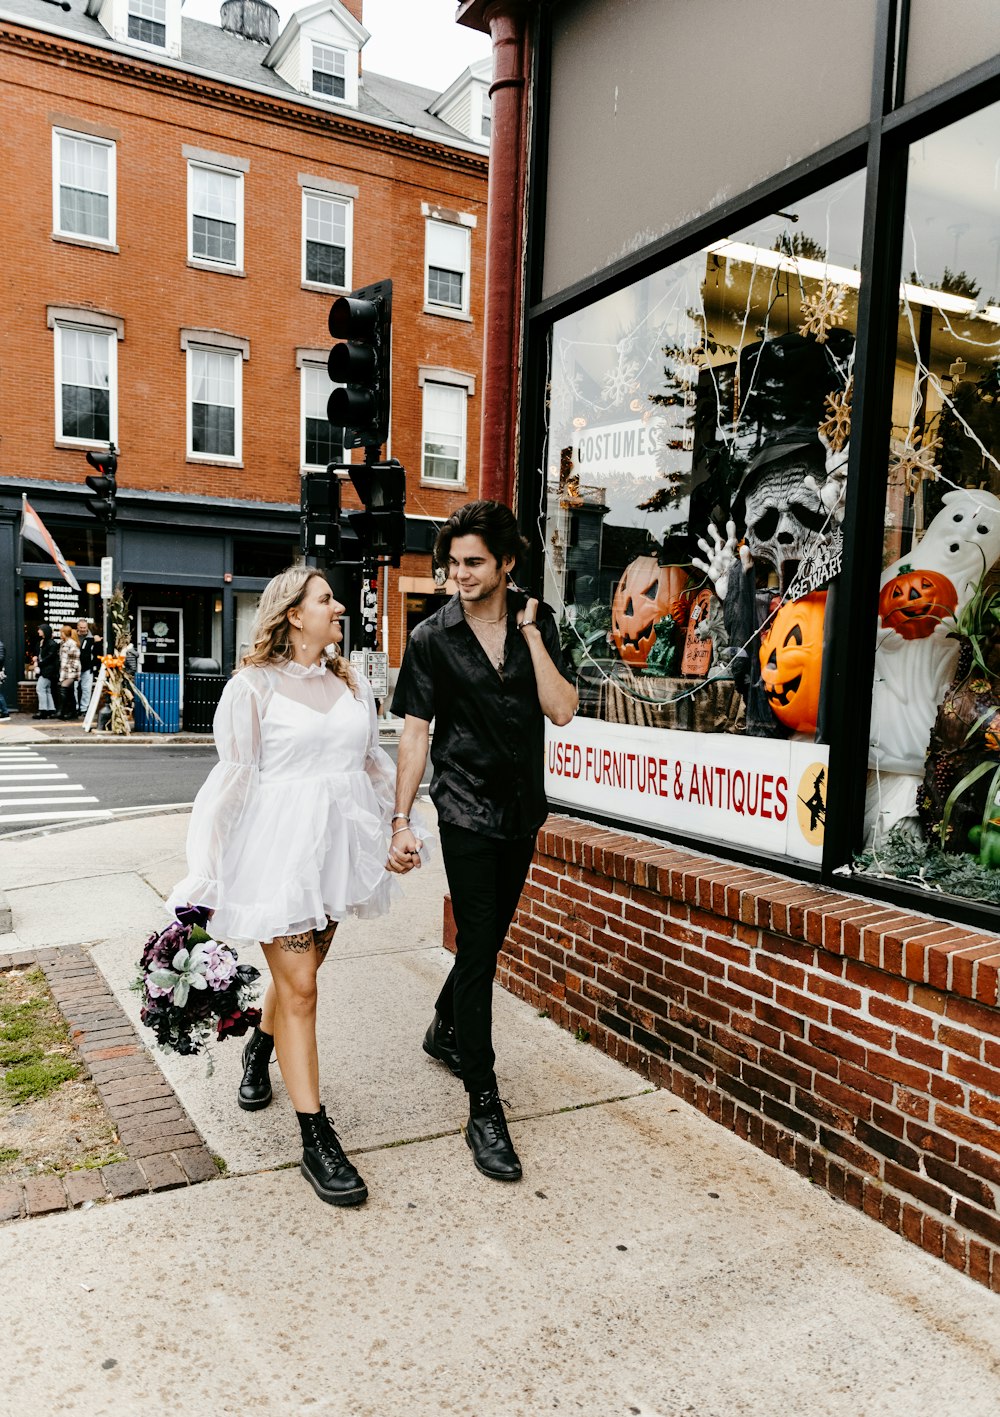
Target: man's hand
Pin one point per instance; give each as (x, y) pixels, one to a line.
(404, 853)
(529, 615)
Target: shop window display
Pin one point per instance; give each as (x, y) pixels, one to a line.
(695, 474)
(933, 802)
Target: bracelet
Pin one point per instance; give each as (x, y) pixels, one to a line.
(400, 830)
(526, 624)
(399, 817)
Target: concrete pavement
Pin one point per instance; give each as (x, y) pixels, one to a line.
(649, 1263)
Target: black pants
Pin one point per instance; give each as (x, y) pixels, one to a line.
(485, 877)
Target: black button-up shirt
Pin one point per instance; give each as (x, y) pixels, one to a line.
(488, 748)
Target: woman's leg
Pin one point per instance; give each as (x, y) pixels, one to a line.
(322, 940)
(45, 702)
(293, 961)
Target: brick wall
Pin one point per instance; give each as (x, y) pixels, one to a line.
(858, 1043)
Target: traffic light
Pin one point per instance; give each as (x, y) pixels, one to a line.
(363, 321)
(103, 482)
(320, 514)
(381, 527)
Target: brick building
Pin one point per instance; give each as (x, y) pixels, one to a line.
(189, 200)
(760, 455)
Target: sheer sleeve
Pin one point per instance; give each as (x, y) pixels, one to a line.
(379, 766)
(225, 793)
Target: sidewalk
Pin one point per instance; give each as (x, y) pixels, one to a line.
(649, 1263)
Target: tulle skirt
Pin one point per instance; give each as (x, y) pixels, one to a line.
(304, 851)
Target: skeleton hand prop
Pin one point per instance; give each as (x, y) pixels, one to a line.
(720, 557)
(833, 493)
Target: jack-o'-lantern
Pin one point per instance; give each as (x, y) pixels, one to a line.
(647, 592)
(791, 661)
(914, 602)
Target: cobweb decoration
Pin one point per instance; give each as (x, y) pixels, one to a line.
(914, 460)
(835, 429)
(823, 311)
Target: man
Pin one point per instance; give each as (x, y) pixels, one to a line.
(88, 662)
(3, 675)
(487, 669)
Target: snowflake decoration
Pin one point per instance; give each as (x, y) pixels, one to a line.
(822, 311)
(619, 383)
(835, 430)
(913, 460)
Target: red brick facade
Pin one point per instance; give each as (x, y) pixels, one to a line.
(856, 1042)
(152, 112)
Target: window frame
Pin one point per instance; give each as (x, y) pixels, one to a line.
(59, 327)
(435, 307)
(461, 481)
(312, 364)
(315, 45)
(206, 262)
(59, 132)
(146, 43)
(348, 204)
(219, 459)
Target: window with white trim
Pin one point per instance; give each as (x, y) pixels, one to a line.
(86, 384)
(215, 387)
(83, 186)
(147, 21)
(321, 443)
(447, 266)
(329, 71)
(444, 433)
(215, 215)
(486, 120)
(327, 225)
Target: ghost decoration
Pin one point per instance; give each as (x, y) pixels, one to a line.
(915, 659)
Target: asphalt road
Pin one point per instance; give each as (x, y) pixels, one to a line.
(52, 783)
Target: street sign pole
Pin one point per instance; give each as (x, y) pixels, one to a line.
(107, 590)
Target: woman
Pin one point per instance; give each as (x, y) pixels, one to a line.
(69, 671)
(48, 672)
(289, 834)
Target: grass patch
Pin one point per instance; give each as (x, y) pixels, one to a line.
(94, 1163)
(8, 1153)
(34, 1080)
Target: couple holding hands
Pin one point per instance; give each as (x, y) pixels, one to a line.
(304, 819)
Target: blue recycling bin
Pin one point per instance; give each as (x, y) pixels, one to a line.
(164, 694)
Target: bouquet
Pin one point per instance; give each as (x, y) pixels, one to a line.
(193, 988)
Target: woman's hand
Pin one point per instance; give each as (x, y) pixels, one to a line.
(404, 853)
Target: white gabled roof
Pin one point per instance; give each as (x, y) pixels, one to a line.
(301, 18)
(481, 71)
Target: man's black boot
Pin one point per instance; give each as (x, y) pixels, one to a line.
(488, 1137)
(255, 1087)
(440, 1043)
(324, 1164)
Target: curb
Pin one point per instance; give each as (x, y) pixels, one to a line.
(6, 919)
(165, 1150)
(100, 818)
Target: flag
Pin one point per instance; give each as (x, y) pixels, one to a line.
(33, 529)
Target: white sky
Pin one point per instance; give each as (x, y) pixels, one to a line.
(416, 40)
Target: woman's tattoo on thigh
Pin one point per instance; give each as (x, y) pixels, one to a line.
(298, 943)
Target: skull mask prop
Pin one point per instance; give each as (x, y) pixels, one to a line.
(783, 515)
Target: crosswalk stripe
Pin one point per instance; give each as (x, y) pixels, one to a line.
(45, 786)
(51, 816)
(46, 802)
(34, 777)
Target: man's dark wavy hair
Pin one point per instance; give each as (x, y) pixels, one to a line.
(494, 522)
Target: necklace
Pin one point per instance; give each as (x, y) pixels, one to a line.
(483, 618)
(493, 641)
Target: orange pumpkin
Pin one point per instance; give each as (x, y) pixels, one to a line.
(913, 602)
(791, 661)
(646, 593)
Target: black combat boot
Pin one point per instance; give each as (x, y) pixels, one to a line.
(324, 1164)
(255, 1087)
(487, 1135)
(440, 1043)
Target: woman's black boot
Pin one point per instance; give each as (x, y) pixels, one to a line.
(255, 1087)
(324, 1164)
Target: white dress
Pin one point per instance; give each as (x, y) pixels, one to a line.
(291, 827)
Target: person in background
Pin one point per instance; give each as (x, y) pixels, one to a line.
(4, 712)
(48, 672)
(88, 663)
(69, 671)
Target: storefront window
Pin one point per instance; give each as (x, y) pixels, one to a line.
(693, 500)
(933, 809)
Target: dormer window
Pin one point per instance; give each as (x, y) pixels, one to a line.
(487, 116)
(147, 21)
(329, 71)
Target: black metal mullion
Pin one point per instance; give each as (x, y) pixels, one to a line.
(902, 47)
(534, 353)
(852, 658)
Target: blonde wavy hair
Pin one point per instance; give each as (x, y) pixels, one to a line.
(271, 638)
